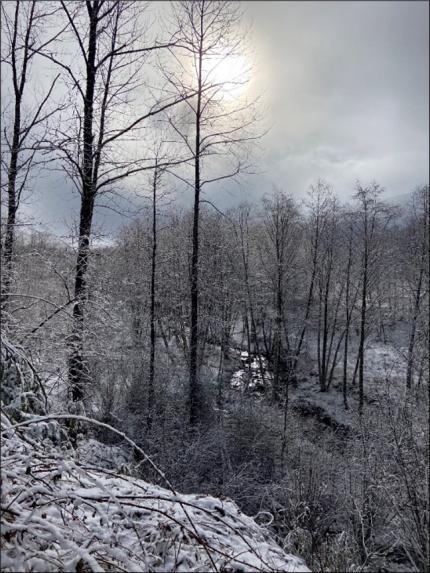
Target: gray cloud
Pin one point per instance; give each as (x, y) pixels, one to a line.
(348, 92)
(346, 88)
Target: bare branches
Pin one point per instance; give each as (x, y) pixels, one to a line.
(62, 65)
(75, 30)
(156, 109)
(36, 119)
(22, 34)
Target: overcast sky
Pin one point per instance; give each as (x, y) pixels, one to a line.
(346, 90)
(349, 92)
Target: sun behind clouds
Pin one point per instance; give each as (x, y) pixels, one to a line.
(231, 72)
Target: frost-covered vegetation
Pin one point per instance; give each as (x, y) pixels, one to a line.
(344, 488)
(63, 509)
(62, 513)
(269, 360)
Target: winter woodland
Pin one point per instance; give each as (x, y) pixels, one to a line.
(208, 388)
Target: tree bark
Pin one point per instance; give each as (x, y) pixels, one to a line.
(348, 320)
(9, 242)
(363, 314)
(152, 302)
(78, 369)
(416, 311)
(195, 390)
(278, 322)
(309, 299)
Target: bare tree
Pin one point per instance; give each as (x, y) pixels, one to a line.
(350, 299)
(244, 229)
(330, 291)
(96, 149)
(212, 126)
(281, 227)
(417, 247)
(319, 204)
(22, 25)
(373, 217)
(156, 178)
(156, 195)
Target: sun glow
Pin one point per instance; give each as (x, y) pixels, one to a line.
(231, 73)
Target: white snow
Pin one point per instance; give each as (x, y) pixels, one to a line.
(248, 377)
(62, 515)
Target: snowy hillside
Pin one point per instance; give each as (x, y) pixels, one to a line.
(58, 514)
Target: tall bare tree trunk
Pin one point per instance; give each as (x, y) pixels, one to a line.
(295, 358)
(9, 242)
(277, 355)
(423, 198)
(204, 30)
(195, 390)
(363, 308)
(152, 303)
(416, 311)
(362, 334)
(251, 310)
(78, 369)
(278, 324)
(348, 322)
(325, 356)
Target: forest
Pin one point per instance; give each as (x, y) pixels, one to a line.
(269, 361)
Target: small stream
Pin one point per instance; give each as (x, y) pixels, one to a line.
(306, 400)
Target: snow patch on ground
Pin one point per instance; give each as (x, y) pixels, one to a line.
(248, 376)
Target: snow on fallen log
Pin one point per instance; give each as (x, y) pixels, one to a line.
(61, 515)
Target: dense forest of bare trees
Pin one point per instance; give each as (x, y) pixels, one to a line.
(275, 352)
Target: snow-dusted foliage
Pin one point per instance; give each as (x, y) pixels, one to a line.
(62, 515)
(21, 390)
(22, 393)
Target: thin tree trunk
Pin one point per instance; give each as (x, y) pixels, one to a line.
(165, 340)
(325, 360)
(248, 345)
(256, 343)
(417, 298)
(309, 299)
(362, 335)
(306, 318)
(9, 242)
(345, 365)
(410, 361)
(319, 338)
(382, 333)
(354, 376)
(285, 423)
(277, 357)
(330, 368)
(195, 391)
(224, 343)
(334, 361)
(152, 301)
(251, 310)
(348, 320)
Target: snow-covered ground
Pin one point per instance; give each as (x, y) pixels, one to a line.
(385, 364)
(62, 514)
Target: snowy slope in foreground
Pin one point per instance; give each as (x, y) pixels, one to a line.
(58, 515)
